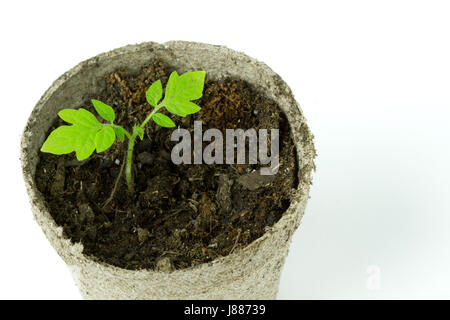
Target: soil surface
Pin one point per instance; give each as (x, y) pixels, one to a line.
(180, 215)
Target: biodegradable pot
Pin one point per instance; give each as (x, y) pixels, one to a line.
(252, 272)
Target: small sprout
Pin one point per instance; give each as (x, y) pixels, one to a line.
(139, 131)
(86, 134)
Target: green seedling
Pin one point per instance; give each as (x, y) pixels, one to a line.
(86, 134)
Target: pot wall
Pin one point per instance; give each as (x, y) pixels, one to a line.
(249, 273)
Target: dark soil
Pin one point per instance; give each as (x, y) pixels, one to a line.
(182, 215)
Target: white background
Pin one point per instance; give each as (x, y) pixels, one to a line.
(373, 79)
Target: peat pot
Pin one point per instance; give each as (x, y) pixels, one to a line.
(252, 272)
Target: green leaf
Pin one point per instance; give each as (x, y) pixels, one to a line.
(105, 111)
(68, 115)
(181, 90)
(163, 120)
(190, 85)
(67, 139)
(183, 108)
(139, 131)
(175, 110)
(104, 138)
(154, 93)
(84, 144)
(86, 119)
(171, 85)
(60, 141)
(120, 133)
